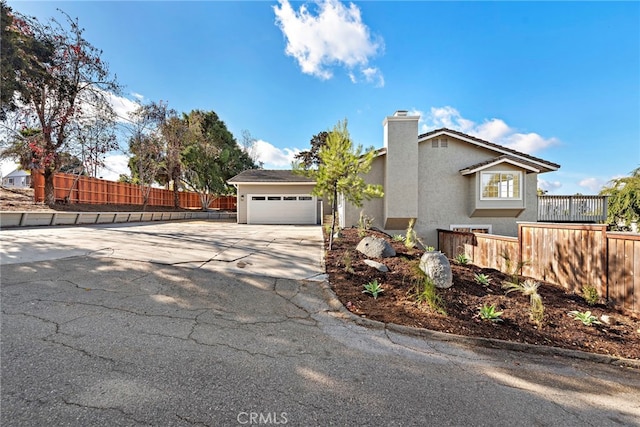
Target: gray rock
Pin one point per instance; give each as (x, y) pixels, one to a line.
(377, 265)
(436, 266)
(375, 247)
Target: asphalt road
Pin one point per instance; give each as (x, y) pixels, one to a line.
(217, 324)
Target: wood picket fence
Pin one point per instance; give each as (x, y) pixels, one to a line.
(84, 189)
(569, 255)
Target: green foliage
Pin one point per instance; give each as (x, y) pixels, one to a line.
(586, 317)
(347, 261)
(311, 158)
(373, 288)
(488, 312)
(340, 171)
(425, 292)
(398, 238)
(462, 259)
(513, 270)
(364, 224)
(590, 294)
(482, 279)
(411, 238)
(530, 288)
(624, 200)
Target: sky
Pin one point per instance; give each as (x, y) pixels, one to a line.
(558, 80)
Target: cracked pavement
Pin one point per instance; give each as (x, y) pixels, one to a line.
(204, 323)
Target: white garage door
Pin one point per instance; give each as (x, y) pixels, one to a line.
(281, 209)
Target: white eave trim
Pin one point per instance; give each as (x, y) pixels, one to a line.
(498, 162)
(273, 183)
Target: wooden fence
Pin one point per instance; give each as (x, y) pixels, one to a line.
(73, 189)
(569, 255)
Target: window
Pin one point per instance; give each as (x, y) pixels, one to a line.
(434, 143)
(501, 185)
(10, 181)
(289, 198)
(469, 228)
(305, 198)
(258, 198)
(274, 198)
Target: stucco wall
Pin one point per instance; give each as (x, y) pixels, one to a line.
(245, 189)
(373, 208)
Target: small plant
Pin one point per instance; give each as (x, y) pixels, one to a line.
(398, 238)
(482, 279)
(429, 248)
(347, 261)
(590, 294)
(373, 288)
(488, 312)
(425, 293)
(364, 224)
(511, 269)
(411, 238)
(462, 258)
(529, 287)
(586, 318)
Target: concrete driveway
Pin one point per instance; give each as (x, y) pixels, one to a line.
(214, 324)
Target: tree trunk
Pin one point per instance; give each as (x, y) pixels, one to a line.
(176, 194)
(334, 210)
(49, 188)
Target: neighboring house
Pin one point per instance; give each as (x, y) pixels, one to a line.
(17, 179)
(275, 197)
(448, 180)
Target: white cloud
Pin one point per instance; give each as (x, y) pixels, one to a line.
(550, 186)
(492, 130)
(592, 184)
(273, 157)
(336, 35)
(115, 164)
(123, 106)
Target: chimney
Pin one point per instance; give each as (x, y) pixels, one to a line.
(401, 170)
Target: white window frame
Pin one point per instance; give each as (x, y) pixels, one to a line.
(452, 227)
(520, 184)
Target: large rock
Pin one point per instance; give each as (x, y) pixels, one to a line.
(375, 247)
(436, 266)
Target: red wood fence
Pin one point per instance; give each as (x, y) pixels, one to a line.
(84, 189)
(569, 255)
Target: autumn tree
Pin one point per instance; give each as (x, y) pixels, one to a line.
(624, 200)
(59, 79)
(211, 157)
(340, 170)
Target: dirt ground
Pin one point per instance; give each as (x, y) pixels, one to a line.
(397, 304)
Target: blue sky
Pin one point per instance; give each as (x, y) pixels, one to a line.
(559, 80)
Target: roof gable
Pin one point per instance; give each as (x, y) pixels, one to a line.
(538, 163)
(529, 167)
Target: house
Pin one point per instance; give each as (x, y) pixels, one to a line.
(17, 179)
(448, 180)
(275, 197)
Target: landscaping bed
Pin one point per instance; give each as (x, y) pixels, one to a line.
(618, 333)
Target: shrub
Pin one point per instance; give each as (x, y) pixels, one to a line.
(411, 239)
(462, 259)
(347, 261)
(513, 270)
(529, 287)
(482, 279)
(373, 288)
(590, 294)
(586, 318)
(488, 312)
(364, 224)
(398, 238)
(425, 293)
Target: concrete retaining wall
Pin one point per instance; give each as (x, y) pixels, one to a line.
(38, 218)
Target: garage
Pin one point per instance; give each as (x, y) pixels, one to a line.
(276, 197)
(281, 209)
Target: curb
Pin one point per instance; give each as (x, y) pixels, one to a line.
(335, 304)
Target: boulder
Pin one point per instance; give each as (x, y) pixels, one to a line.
(436, 266)
(377, 265)
(375, 247)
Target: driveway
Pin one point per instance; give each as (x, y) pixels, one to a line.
(218, 324)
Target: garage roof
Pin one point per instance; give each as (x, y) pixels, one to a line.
(255, 176)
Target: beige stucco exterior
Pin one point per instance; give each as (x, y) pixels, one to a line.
(442, 195)
(268, 188)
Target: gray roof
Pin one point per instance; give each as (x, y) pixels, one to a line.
(499, 159)
(273, 176)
